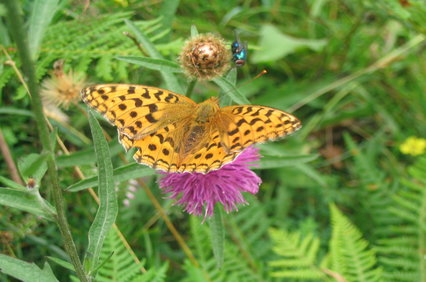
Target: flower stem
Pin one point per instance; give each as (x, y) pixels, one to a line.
(16, 28)
(190, 87)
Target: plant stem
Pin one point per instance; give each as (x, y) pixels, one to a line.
(16, 28)
(7, 156)
(190, 87)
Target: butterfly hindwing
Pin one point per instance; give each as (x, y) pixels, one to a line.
(157, 149)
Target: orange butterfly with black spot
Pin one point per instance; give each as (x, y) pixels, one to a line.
(173, 133)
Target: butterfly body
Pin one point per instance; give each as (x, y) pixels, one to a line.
(172, 133)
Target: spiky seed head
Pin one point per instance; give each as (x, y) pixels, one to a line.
(205, 57)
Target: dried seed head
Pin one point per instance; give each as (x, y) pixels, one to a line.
(204, 57)
(61, 89)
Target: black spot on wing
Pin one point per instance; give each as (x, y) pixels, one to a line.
(237, 110)
(146, 94)
(232, 132)
(169, 97)
(131, 90)
(241, 122)
(138, 102)
(150, 118)
(158, 95)
(253, 121)
(152, 108)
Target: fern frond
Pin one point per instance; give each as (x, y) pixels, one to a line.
(366, 160)
(402, 255)
(153, 275)
(249, 231)
(349, 252)
(298, 255)
(118, 264)
(96, 40)
(233, 269)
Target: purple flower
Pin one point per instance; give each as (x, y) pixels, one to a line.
(198, 192)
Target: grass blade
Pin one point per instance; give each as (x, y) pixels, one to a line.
(41, 16)
(171, 81)
(121, 174)
(269, 162)
(151, 63)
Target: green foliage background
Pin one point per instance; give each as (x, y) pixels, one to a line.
(338, 202)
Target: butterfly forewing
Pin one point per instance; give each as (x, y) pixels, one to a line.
(136, 110)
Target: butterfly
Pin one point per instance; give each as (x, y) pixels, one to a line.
(173, 133)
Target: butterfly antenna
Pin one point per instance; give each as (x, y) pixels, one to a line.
(256, 77)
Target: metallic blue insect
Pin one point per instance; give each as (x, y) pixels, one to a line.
(239, 52)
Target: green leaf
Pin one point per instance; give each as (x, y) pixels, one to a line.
(168, 11)
(124, 173)
(275, 45)
(312, 173)
(171, 81)
(70, 133)
(217, 235)
(230, 90)
(33, 166)
(41, 16)
(12, 184)
(269, 162)
(29, 201)
(151, 63)
(194, 30)
(62, 263)
(86, 157)
(108, 207)
(25, 271)
(225, 100)
(13, 111)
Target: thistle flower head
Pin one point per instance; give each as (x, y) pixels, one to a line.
(205, 57)
(199, 193)
(61, 89)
